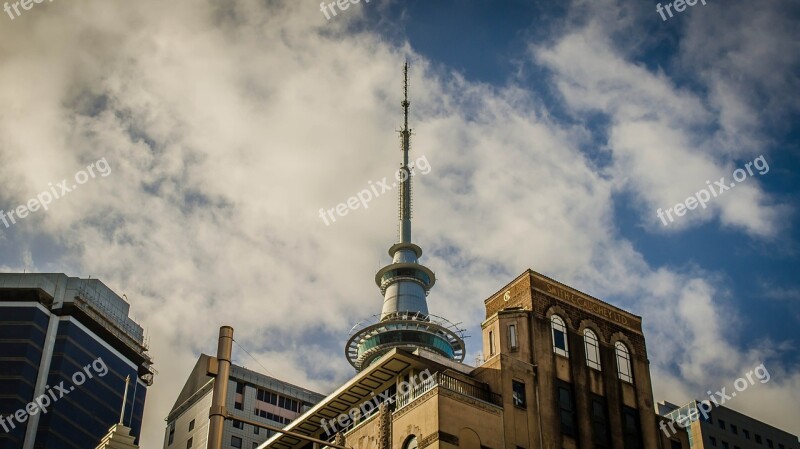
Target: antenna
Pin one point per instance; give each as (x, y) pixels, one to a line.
(405, 188)
(124, 399)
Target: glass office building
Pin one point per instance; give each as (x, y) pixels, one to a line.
(67, 344)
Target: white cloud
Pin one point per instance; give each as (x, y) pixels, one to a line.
(228, 127)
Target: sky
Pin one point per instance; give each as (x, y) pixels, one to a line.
(554, 132)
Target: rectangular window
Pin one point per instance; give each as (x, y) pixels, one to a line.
(722, 424)
(566, 409)
(255, 445)
(559, 340)
(519, 393)
(238, 406)
(238, 424)
(713, 441)
(724, 445)
(491, 343)
(171, 434)
(734, 429)
(769, 443)
(256, 430)
(236, 442)
(191, 425)
(512, 337)
(189, 443)
(239, 388)
(746, 433)
(630, 428)
(600, 423)
(758, 438)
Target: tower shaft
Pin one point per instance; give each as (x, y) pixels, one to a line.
(405, 187)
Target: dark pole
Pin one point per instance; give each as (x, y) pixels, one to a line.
(217, 413)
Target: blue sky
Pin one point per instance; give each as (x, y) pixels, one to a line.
(554, 131)
(486, 42)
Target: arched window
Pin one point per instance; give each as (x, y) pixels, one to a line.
(560, 345)
(411, 443)
(623, 362)
(592, 349)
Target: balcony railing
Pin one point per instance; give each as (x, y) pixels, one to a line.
(449, 383)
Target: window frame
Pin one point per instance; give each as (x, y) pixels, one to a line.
(632, 439)
(570, 409)
(513, 338)
(557, 324)
(600, 423)
(623, 354)
(590, 340)
(518, 386)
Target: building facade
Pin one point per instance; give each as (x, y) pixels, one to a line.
(724, 428)
(561, 370)
(66, 347)
(252, 396)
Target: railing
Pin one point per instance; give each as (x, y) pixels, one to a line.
(417, 389)
(450, 383)
(468, 389)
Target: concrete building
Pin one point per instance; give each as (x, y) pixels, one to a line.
(68, 345)
(252, 396)
(560, 370)
(545, 383)
(724, 428)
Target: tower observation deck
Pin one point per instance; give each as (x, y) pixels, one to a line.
(404, 321)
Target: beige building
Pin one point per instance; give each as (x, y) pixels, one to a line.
(724, 428)
(251, 396)
(562, 370)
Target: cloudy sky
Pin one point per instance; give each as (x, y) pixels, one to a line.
(554, 131)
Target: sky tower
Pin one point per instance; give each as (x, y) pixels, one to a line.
(404, 321)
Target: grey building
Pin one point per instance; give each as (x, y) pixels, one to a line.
(252, 396)
(66, 347)
(724, 428)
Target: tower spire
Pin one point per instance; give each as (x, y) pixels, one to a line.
(405, 187)
(404, 321)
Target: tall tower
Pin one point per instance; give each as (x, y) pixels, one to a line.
(404, 321)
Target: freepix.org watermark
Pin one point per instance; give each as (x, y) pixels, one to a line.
(25, 4)
(716, 399)
(679, 5)
(703, 196)
(342, 4)
(367, 407)
(52, 395)
(57, 191)
(363, 197)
